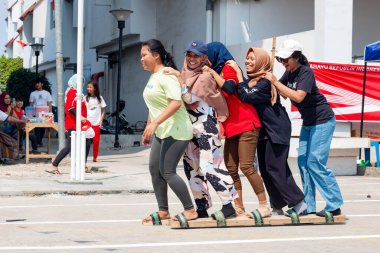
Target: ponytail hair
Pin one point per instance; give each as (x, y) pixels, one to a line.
(301, 58)
(155, 46)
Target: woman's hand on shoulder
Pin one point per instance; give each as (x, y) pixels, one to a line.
(171, 71)
(233, 65)
(207, 69)
(272, 78)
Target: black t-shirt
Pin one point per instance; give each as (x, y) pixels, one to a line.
(314, 108)
(275, 120)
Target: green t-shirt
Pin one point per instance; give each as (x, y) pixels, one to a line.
(158, 92)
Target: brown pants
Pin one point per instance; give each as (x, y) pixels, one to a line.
(241, 149)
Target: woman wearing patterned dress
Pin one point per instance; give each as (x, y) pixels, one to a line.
(203, 158)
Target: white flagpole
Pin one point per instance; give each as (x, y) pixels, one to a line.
(79, 82)
(73, 155)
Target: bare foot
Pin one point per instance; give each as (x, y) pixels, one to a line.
(164, 215)
(240, 211)
(189, 215)
(264, 211)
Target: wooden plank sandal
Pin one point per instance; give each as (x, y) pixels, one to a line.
(258, 218)
(293, 216)
(182, 220)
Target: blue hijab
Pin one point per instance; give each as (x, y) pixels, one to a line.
(218, 55)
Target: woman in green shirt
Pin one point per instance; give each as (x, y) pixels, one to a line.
(168, 130)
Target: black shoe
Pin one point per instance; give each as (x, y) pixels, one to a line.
(202, 206)
(334, 213)
(202, 214)
(228, 211)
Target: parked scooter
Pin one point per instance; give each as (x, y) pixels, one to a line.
(124, 126)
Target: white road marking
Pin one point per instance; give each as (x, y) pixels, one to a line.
(129, 221)
(67, 222)
(193, 243)
(155, 203)
(362, 215)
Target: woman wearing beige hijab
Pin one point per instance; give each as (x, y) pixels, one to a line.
(274, 140)
(203, 159)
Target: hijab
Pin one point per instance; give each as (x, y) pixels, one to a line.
(204, 86)
(218, 55)
(262, 66)
(3, 106)
(72, 83)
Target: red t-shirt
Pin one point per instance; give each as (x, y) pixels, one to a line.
(19, 113)
(71, 102)
(242, 117)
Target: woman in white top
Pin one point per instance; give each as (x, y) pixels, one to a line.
(96, 107)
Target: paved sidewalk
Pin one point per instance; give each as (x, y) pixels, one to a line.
(120, 171)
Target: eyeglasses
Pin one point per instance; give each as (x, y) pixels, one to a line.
(282, 60)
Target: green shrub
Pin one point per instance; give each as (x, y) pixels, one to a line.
(7, 66)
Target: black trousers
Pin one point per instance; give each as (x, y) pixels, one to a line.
(39, 132)
(67, 149)
(32, 138)
(275, 171)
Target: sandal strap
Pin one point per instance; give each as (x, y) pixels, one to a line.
(329, 217)
(182, 220)
(293, 216)
(258, 219)
(156, 219)
(220, 219)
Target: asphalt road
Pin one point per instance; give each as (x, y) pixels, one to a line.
(112, 223)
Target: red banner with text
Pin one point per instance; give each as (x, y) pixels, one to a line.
(342, 84)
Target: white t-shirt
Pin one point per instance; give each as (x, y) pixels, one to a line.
(94, 109)
(3, 116)
(40, 98)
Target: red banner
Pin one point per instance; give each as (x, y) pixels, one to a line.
(342, 84)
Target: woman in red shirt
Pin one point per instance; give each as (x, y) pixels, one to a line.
(70, 122)
(242, 128)
(18, 110)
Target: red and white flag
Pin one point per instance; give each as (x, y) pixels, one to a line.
(342, 84)
(22, 43)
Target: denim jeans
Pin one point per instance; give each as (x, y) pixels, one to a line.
(313, 153)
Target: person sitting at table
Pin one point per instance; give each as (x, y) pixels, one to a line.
(6, 106)
(19, 112)
(8, 145)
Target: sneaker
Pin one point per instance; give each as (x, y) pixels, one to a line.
(300, 207)
(277, 212)
(202, 214)
(228, 211)
(334, 213)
